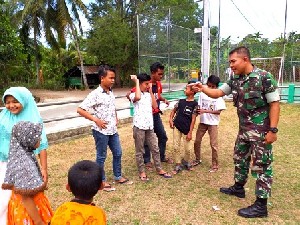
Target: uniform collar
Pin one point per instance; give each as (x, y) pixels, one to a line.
(251, 74)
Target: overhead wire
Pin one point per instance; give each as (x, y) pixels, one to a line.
(268, 21)
(243, 15)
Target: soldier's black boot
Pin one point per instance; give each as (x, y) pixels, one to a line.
(237, 190)
(258, 209)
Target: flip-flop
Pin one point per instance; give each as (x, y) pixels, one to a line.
(177, 169)
(144, 178)
(168, 160)
(149, 167)
(126, 181)
(165, 175)
(109, 188)
(213, 170)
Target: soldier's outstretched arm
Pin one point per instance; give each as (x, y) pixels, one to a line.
(213, 93)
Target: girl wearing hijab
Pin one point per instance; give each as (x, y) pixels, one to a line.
(19, 106)
(24, 177)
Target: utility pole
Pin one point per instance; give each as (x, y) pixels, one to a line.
(205, 56)
(284, 46)
(218, 45)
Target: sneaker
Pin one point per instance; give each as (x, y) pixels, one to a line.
(233, 190)
(253, 211)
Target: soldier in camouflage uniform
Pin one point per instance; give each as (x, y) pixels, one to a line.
(256, 97)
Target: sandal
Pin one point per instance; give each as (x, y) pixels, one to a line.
(149, 166)
(196, 162)
(187, 165)
(213, 170)
(108, 188)
(144, 178)
(168, 160)
(177, 169)
(165, 175)
(125, 181)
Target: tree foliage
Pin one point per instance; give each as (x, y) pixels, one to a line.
(10, 46)
(47, 35)
(113, 37)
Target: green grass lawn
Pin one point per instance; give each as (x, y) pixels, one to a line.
(188, 198)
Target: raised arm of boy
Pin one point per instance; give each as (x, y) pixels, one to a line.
(137, 95)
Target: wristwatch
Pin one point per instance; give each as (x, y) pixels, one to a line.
(273, 130)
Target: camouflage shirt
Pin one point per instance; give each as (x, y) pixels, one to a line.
(252, 94)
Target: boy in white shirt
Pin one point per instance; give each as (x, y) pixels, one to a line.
(209, 110)
(143, 101)
(99, 107)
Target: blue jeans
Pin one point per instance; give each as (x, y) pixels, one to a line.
(113, 141)
(161, 134)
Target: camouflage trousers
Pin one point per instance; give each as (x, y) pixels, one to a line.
(249, 146)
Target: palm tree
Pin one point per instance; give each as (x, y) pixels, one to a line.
(66, 21)
(35, 15)
(50, 16)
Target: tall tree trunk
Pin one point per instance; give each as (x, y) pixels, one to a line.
(118, 76)
(74, 33)
(37, 64)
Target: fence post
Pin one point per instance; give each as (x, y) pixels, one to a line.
(291, 95)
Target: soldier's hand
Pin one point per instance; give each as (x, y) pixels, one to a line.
(197, 87)
(270, 138)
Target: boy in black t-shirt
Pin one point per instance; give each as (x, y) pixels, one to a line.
(182, 120)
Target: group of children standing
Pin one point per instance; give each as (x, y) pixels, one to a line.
(182, 120)
(22, 136)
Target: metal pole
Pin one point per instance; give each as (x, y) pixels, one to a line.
(205, 58)
(218, 45)
(284, 43)
(169, 46)
(189, 72)
(138, 39)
